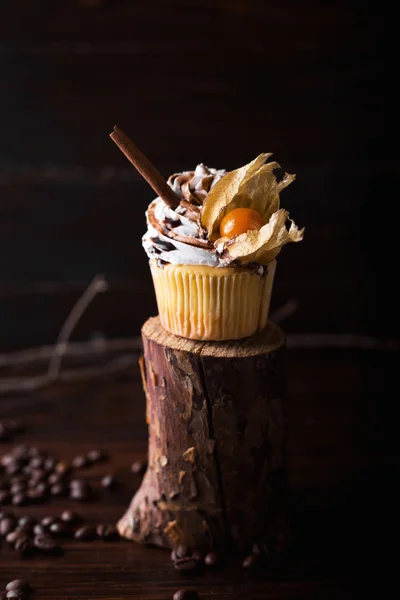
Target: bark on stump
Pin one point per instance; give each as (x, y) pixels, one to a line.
(216, 442)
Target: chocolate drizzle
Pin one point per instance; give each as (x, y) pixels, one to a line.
(191, 187)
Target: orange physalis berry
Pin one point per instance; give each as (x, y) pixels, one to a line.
(240, 220)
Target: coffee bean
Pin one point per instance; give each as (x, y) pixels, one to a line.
(38, 493)
(62, 468)
(18, 584)
(17, 487)
(138, 468)
(107, 532)
(259, 548)
(39, 529)
(27, 523)
(58, 489)
(19, 499)
(250, 561)
(47, 545)
(186, 563)
(186, 595)
(49, 464)
(7, 524)
(16, 595)
(55, 478)
(47, 521)
(180, 551)
(60, 528)
(36, 477)
(108, 482)
(24, 546)
(5, 497)
(80, 490)
(6, 459)
(71, 517)
(211, 559)
(13, 468)
(36, 463)
(79, 462)
(85, 533)
(11, 537)
(95, 456)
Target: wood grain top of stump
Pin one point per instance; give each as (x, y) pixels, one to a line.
(270, 339)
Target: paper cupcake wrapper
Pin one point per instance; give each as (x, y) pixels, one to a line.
(209, 303)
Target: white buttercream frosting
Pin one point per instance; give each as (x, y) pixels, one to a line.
(175, 235)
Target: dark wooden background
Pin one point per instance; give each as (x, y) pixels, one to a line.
(214, 81)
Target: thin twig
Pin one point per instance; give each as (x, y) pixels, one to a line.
(94, 349)
(340, 340)
(98, 285)
(32, 384)
(286, 310)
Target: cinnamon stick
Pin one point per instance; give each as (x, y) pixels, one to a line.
(145, 167)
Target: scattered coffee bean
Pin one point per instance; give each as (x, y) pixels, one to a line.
(49, 464)
(138, 468)
(62, 468)
(27, 523)
(250, 561)
(107, 532)
(79, 462)
(80, 490)
(108, 482)
(60, 528)
(16, 595)
(186, 595)
(39, 529)
(47, 521)
(95, 456)
(7, 524)
(18, 584)
(85, 533)
(38, 493)
(36, 463)
(211, 559)
(71, 517)
(19, 499)
(11, 537)
(36, 477)
(13, 468)
(55, 478)
(17, 488)
(259, 548)
(47, 545)
(186, 563)
(179, 552)
(59, 489)
(24, 546)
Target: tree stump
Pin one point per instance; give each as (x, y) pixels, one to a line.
(216, 442)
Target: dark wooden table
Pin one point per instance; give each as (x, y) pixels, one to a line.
(338, 486)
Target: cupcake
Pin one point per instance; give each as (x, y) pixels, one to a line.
(213, 255)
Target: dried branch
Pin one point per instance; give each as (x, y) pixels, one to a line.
(98, 285)
(97, 350)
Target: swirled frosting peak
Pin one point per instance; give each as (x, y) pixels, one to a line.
(176, 235)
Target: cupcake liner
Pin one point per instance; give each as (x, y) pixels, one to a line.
(209, 303)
